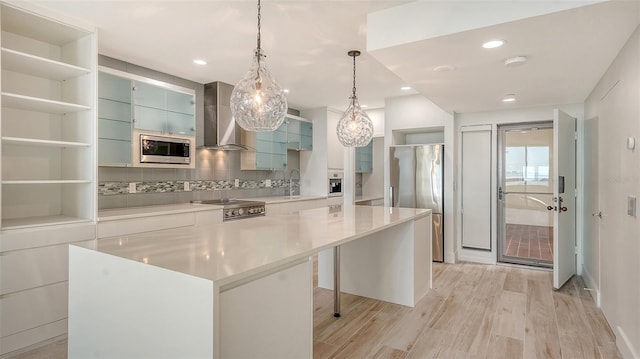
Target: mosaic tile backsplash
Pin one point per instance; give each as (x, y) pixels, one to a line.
(213, 178)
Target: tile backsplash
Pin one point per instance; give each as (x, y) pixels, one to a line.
(213, 178)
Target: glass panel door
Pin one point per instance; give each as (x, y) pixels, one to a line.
(524, 194)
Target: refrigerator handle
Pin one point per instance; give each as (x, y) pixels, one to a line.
(391, 196)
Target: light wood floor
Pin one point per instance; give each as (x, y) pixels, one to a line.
(473, 311)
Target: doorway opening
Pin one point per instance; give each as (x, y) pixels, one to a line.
(525, 192)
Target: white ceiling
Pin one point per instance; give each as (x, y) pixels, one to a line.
(306, 43)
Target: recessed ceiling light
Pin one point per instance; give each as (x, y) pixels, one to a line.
(364, 106)
(493, 44)
(286, 90)
(444, 68)
(509, 98)
(515, 61)
(405, 88)
(199, 62)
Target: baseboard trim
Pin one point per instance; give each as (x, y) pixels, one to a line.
(475, 259)
(591, 283)
(624, 345)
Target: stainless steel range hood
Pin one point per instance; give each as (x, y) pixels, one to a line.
(220, 129)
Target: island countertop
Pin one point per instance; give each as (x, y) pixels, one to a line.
(235, 250)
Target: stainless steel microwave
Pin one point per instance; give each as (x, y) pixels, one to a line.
(165, 150)
(335, 184)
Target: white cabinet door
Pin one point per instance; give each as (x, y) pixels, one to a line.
(476, 187)
(335, 150)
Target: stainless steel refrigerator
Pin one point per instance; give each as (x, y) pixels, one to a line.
(417, 175)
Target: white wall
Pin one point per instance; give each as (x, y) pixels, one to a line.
(615, 102)
(377, 117)
(415, 113)
(313, 164)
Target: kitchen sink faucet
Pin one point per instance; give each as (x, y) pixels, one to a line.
(291, 190)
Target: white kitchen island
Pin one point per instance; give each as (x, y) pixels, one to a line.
(239, 289)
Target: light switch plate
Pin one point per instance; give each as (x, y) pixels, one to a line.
(236, 183)
(267, 183)
(186, 186)
(132, 187)
(631, 206)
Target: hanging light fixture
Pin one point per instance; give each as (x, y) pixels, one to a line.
(258, 103)
(355, 128)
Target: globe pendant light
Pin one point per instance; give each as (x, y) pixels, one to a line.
(355, 128)
(258, 103)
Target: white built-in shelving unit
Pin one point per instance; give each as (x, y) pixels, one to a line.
(47, 167)
(48, 131)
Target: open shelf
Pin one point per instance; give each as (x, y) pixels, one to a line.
(17, 61)
(39, 104)
(18, 223)
(44, 143)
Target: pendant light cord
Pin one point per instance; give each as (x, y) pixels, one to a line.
(258, 40)
(354, 77)
(258, 50)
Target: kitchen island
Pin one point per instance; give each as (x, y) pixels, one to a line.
(237, 289)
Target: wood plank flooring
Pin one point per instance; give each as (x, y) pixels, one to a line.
(473, 311)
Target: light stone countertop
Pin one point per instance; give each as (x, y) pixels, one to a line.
(285, 199)
(239, 249)
(148, 211)
(366, 197)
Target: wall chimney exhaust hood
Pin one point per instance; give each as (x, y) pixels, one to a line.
(220, 129)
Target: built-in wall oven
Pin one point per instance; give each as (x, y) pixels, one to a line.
(335, 184)
(164, 150)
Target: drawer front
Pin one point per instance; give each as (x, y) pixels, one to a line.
(30, 268)
(13, 240)
(32, 336)
(32, 308)
(208, 217)
(144, 224)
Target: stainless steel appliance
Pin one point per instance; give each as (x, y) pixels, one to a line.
(335, 184)
(416, 179)
(160, 149)
(220, 129)
(238, 209)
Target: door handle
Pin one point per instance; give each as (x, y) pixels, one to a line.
(500, 193)
(599, 214)
(563, 209)
(551, 208)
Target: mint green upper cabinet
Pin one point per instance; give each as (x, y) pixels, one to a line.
(163, 110)
(299, 134)
(270, 150)
(114, 120)
(364, 158)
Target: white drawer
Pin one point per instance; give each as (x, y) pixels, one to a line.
(204, 218)
(30, 268)
(36, 335)
(144, 224)
(16, 239)
(32, 308)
